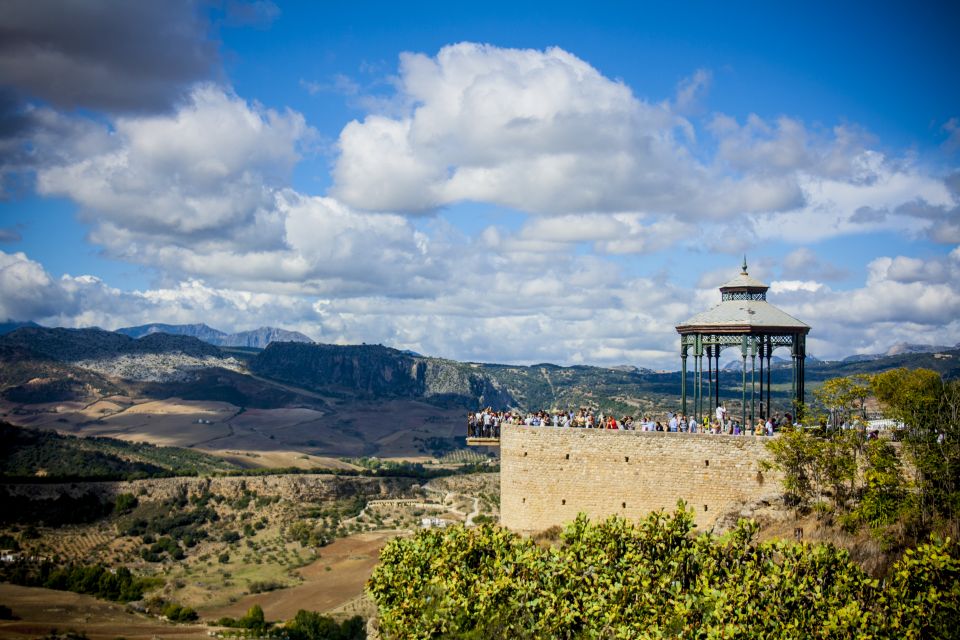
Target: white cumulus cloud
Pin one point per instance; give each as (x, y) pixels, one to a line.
(541, 131)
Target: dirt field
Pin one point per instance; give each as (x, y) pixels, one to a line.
(42, 610)
(399, 429)
(337, 577)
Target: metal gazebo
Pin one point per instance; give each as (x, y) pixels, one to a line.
(745, 320)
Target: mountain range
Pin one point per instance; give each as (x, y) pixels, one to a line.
(901, 348)
(38, 364)
(255, 338)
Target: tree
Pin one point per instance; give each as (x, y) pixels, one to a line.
(253, 619)
(911, 396)
(930, 412)
(310, 625)
(844, 397)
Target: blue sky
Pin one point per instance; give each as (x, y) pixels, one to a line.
(512, 182)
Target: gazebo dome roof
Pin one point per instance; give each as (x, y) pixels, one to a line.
(743, 310)
(743, 281)
(743, 316)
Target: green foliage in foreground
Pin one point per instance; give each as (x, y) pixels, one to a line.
(654, 579)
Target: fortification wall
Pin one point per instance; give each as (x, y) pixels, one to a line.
(548, 474)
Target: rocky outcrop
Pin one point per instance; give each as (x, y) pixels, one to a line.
(156, 357)
(157, 367)
(293, 488)
(379, 372)
(370, 370)
(444, 378)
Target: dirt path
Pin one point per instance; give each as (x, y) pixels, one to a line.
(473, 514)
(447, 495)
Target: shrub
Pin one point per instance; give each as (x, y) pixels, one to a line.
(177, 613)
(654, 579)
(125, 502)
(264, 586)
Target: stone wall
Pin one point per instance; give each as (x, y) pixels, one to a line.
(549, 474)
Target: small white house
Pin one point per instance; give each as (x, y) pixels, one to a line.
(433, 523)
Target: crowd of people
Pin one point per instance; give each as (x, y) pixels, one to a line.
(486, 423)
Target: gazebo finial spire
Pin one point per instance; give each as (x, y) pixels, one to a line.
(744, 266)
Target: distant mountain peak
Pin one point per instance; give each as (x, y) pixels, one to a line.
(256, 338)
(201, 331)
(906, 347)
(12, 325)
(260, 338)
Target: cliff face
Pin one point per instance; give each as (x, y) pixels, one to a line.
(377, 371)
(442, 378)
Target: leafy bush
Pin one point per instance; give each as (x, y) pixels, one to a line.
(262, 586)
(177, 613)
(654, 579)
(125, 502)
(310, 625)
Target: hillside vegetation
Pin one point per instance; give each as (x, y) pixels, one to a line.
(33, 454)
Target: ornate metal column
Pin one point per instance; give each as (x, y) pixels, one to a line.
(762, 350)
(769, 371)
(716, 390)
(683, 378)
(698, 383)
(794, 382)
(709, 377)
(743, 382)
